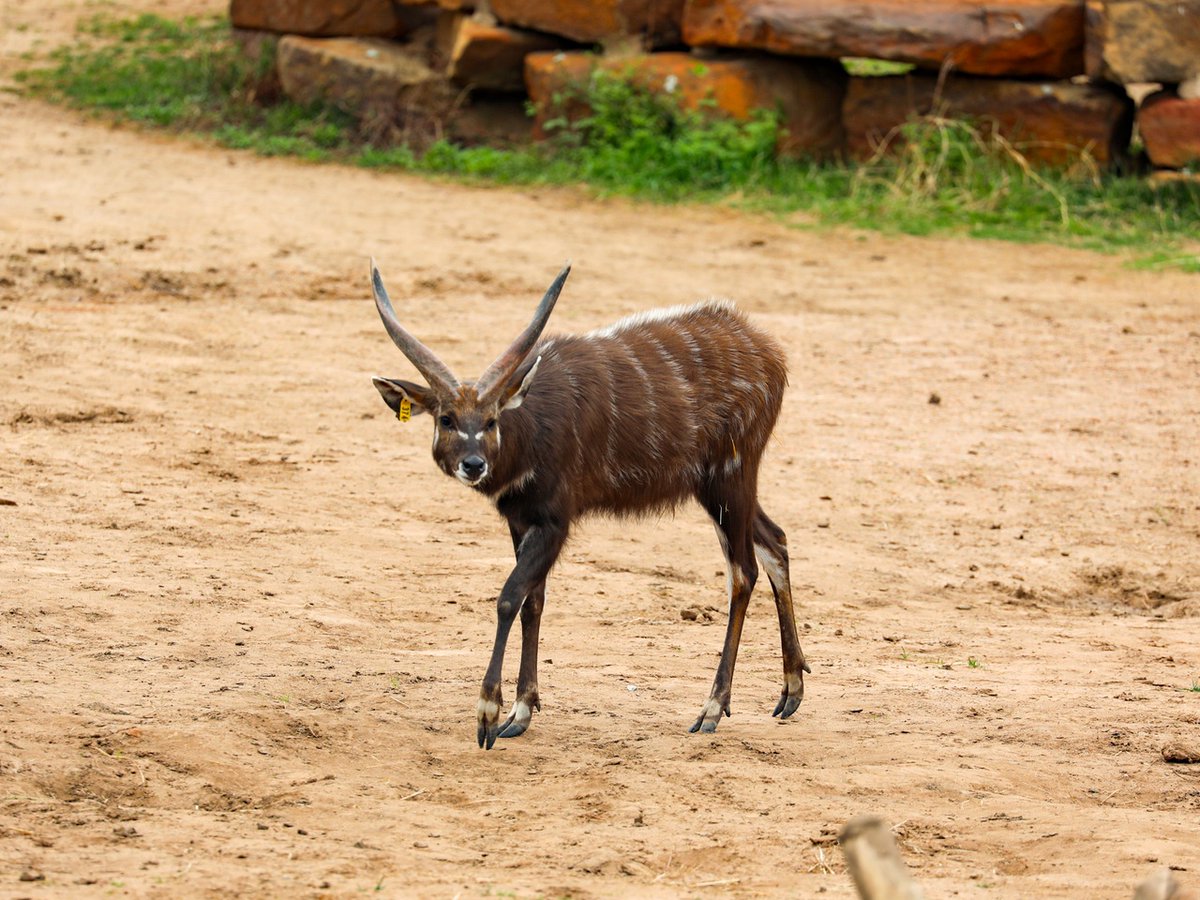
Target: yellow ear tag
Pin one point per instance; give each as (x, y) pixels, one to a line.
(405, 412)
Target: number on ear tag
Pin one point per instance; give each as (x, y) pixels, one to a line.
(405, 411)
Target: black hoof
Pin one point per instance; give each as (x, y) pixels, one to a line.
(786, 706)
(512, 729)
(708, 720)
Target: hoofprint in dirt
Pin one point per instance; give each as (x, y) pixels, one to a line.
(244, 619)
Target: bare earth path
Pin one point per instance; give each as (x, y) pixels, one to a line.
(243, 619)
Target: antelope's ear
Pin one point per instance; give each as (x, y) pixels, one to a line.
(394, 393)
(519, 385)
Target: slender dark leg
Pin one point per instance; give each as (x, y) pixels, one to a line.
(527, 684)
(770, 546)
(732, 509)
(537, 549)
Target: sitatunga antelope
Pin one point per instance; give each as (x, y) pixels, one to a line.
(633, 418)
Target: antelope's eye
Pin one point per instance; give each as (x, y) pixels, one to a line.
(446, 422)
(489, 425)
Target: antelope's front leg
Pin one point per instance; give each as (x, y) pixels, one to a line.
(537, 553)
(527, 700)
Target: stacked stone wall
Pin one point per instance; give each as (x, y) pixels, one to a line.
(1056, 78)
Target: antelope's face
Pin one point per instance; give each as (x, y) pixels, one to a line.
(466, 417)
(466, 438)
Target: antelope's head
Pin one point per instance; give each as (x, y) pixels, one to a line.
(466, 415)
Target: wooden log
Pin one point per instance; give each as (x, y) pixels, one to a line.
(874, 861)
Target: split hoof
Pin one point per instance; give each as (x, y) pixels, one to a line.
(518, 720)
(791, 695)
(710, 716)
(487, 723)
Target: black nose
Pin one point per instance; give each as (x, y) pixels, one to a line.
(473, 466)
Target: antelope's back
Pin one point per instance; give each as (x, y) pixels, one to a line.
(661, 401)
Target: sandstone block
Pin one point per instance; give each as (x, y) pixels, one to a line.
(1170, 129)
(1043, 38)
(1050, 122)
(319, 18)
(1143, 40)
(807, 93)
(485, 56)
(654, 22)
(363, 76)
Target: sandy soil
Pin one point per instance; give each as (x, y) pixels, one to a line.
(243, 618)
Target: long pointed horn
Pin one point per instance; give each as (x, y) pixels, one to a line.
(434, 370)
(506, 365)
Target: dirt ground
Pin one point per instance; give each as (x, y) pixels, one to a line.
(243, 619)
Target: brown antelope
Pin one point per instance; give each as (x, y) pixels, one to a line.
(633, 418)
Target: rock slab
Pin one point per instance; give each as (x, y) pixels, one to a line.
(486, 56)
(654, 23)
(1170, 129)
(1130, 41)
(319, 18)
(1049, 122)
(363, 76)
(807, 93)
(1040, 38)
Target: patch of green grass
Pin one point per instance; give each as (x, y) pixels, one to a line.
(1195, 686)
(189, 76)
(868, 68)
(944, 176)
(973, 663)
(635, 142)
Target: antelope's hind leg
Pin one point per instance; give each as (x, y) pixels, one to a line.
(770, 546)
(732, 513)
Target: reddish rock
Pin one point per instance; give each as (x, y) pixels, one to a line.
(807, 93)
(1049, 122)
(363, 76)
(654, 22)
(486, 56)
(1170, 129)
(1132, 41)
(1014, 37)
(319, 18)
